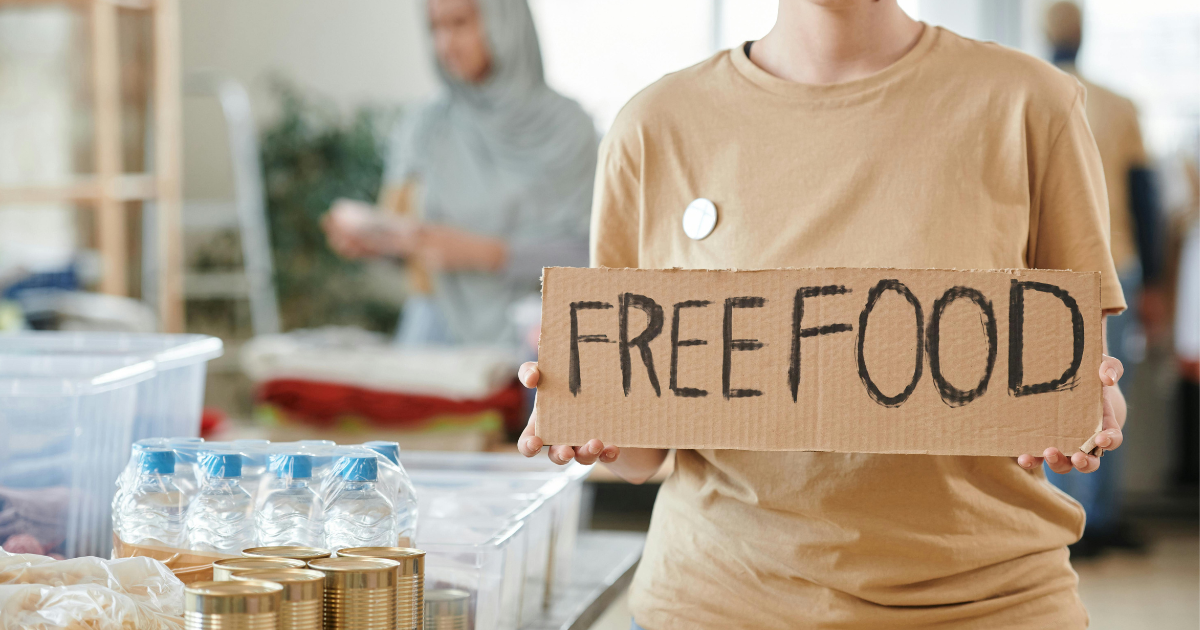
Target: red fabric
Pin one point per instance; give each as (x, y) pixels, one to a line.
(212, 422)
(324, 403)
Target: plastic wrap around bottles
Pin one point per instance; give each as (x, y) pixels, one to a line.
(252, 493)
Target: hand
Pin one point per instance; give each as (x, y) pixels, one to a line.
(530, 444)
(1110, 436)
(348, 227)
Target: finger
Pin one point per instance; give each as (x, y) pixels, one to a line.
(610, 454)
(1110, 370)
(529, 444)
(1058, 462)
(1110, 439)
(1028, 462)
(561, 454)
(588, 453)
(1085, 463)
(528, 374)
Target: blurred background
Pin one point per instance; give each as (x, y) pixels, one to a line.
(165, 166)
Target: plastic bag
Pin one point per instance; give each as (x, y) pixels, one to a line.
(79, 607)
(40, 592)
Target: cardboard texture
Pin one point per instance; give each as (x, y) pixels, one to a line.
(847, 360)
(188, 566)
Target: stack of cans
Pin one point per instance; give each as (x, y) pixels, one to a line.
(303, 554)
(410, 581)
(360, 593)
(303, 601)
(232, 605)
(446, 609)
(225, 568)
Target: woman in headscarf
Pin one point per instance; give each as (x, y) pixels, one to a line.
(505, 168)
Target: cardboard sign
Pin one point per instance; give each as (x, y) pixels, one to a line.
(847, 360)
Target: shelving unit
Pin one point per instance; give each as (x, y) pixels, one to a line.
(107, 190)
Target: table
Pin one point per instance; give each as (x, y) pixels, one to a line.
(611, 558)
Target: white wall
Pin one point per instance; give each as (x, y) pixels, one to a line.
(354, 53)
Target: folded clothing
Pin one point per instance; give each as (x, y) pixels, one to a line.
(325, 403)
(356, 358)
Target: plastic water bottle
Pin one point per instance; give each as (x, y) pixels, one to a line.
(404, 506)
(359, 515)
(129, 476)
(390, 450)
(291, 514)
(187, 460)
(218, 518)
(152, 510)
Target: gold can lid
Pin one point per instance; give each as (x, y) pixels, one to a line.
(356, 573)
(287, 551)
(446, 602)
(298, 584)
(412, 561)
(231, 598)
(237, 565)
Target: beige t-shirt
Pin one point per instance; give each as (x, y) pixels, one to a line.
(1114, 122)
(960, 155)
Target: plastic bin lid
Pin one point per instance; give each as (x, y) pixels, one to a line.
(169, 351)
(77, 375)
(449, 535)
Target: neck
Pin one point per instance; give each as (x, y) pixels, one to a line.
(823, 42)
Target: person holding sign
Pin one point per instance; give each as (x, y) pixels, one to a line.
(854, 136)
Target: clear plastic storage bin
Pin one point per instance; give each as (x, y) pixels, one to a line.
(563, 483)
(169, 404)
(471, 499)
(66, 426)
(485, 559)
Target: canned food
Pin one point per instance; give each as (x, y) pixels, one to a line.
(287, 551)
(410, 581)
(446, 609)
(224, 568)
(229, 605)
(360, 593)
(303, 599)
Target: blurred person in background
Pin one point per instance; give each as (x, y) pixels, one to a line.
(1136, 241)
(1187, 336)
(484, 186)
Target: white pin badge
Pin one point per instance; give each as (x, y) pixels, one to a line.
(699, 219)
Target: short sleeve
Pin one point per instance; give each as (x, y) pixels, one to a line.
(616, 206)
(1070, 229)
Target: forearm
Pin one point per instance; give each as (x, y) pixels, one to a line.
(636, 465)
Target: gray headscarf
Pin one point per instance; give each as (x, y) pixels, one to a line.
(509, 158)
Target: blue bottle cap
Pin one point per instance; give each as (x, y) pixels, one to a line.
(222, 465)
(185, 440)
(390, 450)
(296, 466)
(158, 460)
(317, 443)
(358, 468)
